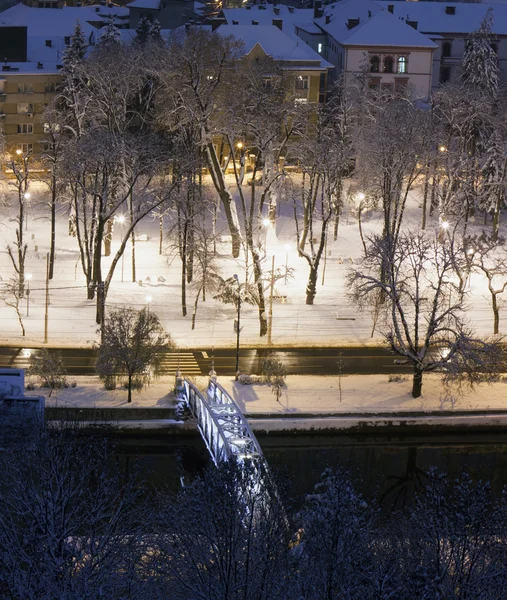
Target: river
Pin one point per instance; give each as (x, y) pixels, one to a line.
(390, 468)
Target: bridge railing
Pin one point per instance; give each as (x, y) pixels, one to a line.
(218, 395)
(208, 424)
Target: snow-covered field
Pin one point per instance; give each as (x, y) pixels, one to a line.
(332, 320)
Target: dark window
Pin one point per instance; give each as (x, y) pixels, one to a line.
(66, 40)
(446, 49)
(388, 64)
(412, 24)
(48, 43)
(494, 47)
(450, 10)
(445, 75)
(352, 23)
(374, 64)
(390, 8)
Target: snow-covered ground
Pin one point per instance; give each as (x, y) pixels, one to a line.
(332, 320)
(360, 395)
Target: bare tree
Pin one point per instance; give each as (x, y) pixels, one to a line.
(69, 521)
(195, 70)
(48, 366)
(12, 298)
(226, 537)
(487, 255)
(424, 309)
(131, 345)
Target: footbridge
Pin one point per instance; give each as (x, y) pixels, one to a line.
(223, 427)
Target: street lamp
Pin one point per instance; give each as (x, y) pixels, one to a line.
(121, 220)
(238, 327)
(286, 248)
(28, 276)
(148, 301)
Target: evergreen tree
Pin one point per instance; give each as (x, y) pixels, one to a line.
(155, 31)
(480, 62)
(143, 31)
(75, 52)
(109, 35)
(494, 174)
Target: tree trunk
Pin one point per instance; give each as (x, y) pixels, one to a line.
(108, 238)
(417, 383)
(129, 387)
(263, 320)
(53, 229)
(194, 314)
(131, 207)
(227, 200)
(184, 270)
(311, 286)
(496, 314)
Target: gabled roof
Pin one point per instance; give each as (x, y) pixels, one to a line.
(275, 43)
(384, 29)
(376, 27)
(432, 17)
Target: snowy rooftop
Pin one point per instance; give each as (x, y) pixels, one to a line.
(150, 4)
(432, 16)
(264, 14)
(50, 22)
(376, 27)
(30, 68)
(275, 43)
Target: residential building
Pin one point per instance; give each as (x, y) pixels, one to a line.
(449, 25)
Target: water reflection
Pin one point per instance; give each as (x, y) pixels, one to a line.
(389, 468)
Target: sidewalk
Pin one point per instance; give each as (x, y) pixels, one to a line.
(310, 402)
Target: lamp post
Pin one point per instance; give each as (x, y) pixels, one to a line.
(121, 220)
(286, 248)
(28, 276)
(238, 329)
(148, 301)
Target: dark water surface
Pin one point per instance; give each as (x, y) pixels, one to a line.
(391, 468)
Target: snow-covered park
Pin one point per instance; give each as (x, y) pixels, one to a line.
(332, 320)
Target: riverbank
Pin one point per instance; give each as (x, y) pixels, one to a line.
(307, 403)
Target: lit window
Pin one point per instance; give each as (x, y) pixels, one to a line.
(25, 148)
(50, 88)
(302, 82)
(402, 64)
(319, 48)
(24, 109)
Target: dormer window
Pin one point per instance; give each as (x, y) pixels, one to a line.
(450, 10)
(352, 23)
(402, 64)
(374, 64)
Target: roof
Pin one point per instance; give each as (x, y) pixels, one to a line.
(30, 68)
(376, 27)
(146, 4)
(54, 22)
(432, 17)
(384, 29)
(265, 13)
(275, 43)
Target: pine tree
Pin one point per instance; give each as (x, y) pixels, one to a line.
(143, 31)
(110, 35)
(480, 62)
(494, 178)
(155, 31)
(75, 52)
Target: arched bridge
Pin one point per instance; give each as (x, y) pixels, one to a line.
(223, 427)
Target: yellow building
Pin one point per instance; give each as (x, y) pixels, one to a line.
(25, 91)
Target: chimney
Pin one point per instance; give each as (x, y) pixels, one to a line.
(278, 23)
(317, 9)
